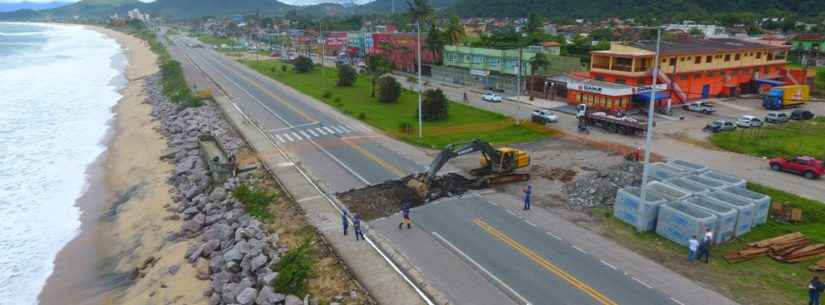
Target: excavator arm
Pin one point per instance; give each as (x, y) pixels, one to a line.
(421, 184)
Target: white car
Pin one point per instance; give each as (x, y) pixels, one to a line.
(748, 121)
(542, 116)
(491, 97)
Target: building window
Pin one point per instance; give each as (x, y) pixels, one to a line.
(737, 57)
(697, 60)
(664, 60)
(727, 57)
(709, 59)
(770, 56)
(476, 60)
(451, 57)
(492, 61)
(673, 61)
(758, 55)
(466, 58)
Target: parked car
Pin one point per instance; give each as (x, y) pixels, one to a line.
(806, 166)
(777, 117)
(543, 116)
(700, 107)
(802, 114)
(718, 126)
(748, 121)
(491, 97)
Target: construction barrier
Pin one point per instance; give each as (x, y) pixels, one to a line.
(725, 217)
(710, 183)
(631, 209)
(679, 221)
(697, 169)
(761, 202)
(744, 220)
(733, 181)
(663, 171)
(688, 186)
(668, 192)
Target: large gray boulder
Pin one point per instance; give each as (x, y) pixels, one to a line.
(268, 297)
(247, 296)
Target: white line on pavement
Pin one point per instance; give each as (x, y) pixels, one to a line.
(677, 301)
(329, 130)
(280, 140)
(288, 138)
(312, 132)
(344, 128)
(554, 235)
(609, 265)
(304, 134)
(477, 265)
(643, 283)
(297, 136)
(321, 131)
(308, 198)
(511, 213)
(579, 249)
(530, 223)
(293, 127)
(337, 129)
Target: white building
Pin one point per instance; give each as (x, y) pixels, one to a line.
(709, 30)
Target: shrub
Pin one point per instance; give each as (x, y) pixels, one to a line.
(435, 105)
(303, 64)
(283, 68)
(337, 100)
(389, 90)
(326, 94)
(346, 76)
(256, 202)
(362, 116)
(294, 270)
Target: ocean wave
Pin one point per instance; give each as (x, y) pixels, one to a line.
(21, 34)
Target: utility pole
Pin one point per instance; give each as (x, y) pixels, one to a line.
(518, 87)
(420, 114)
(649, 133)
(323, 44)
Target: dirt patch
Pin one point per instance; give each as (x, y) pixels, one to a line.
(387, 198)
(557, 174)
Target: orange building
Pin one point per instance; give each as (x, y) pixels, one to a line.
(693, 69)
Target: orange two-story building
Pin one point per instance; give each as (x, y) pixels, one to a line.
(691, 69)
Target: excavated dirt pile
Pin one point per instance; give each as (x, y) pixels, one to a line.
(599, 188)
(386, 198)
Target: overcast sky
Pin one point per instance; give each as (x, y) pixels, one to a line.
(298, 2)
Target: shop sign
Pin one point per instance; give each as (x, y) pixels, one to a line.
(590, 88)
(479, 72)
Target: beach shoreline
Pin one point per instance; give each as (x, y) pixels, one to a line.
(126, 213)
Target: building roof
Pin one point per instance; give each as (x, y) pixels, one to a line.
(810, 37)
(550, 43)
(702, 46)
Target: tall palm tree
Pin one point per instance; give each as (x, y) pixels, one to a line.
(454, 30)
(420, 11)
(435, 42)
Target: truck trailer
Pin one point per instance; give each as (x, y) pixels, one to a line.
(786, 97)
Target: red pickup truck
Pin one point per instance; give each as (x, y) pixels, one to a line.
(806, 166)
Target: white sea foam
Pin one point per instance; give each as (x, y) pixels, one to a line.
(54, 114)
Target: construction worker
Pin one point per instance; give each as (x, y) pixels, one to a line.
(356, 226)
(527, 192)
(704, 247)
(814, 291)
(693, 246)
(405, 216)
(345, 221)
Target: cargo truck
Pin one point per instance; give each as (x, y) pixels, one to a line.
(786, 96)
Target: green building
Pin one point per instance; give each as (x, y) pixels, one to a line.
(492, 60)
(808, 42)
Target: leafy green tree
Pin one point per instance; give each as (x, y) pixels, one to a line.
(454, 30)
(376, 66)
(539, 63)
(389, 90)
(696, 31)
(534, 28)
(436, 105)
(303, 64)
(602, 34)
(346, 75)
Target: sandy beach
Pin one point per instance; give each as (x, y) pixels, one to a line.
(126, 212)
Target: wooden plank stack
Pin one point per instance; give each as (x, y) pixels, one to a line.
(789, 248)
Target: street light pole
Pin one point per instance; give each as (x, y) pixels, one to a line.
(420, 115)
(649, 133)
(518, 87)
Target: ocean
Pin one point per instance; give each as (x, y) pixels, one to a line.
(58, 84)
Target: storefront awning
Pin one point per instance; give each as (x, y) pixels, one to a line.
(644, 97)
(769, 82)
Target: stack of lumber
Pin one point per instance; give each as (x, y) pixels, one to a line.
(789, 248)
(819, 266)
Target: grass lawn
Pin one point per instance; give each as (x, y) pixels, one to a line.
(463, 124)
(787, 140)
(215, 41)
(761, 281)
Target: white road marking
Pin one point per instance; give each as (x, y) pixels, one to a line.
(288, 138)
(511, 212)
(304, 134)
(321, 131)
(344, 128)
(280, 140)
(554, 235)
(285, 164)
(329, 130)
(609, 265)
(579, 249)
(643, 283)
(530, 223)
(308, 198)
(292, 127)
(477, 265)
(297, 136)
(360, 137)
(312, 132)
(677, 301)
(337, 129)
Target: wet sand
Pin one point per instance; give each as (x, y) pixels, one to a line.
(125, 219)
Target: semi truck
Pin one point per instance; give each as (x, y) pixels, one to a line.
(786, 97)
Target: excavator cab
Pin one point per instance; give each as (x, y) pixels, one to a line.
(509, 160)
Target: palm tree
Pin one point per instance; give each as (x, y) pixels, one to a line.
(454, 30)
(376, 66)
(435, 42)
(420, 11)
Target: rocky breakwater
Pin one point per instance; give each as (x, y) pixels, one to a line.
(230, 248)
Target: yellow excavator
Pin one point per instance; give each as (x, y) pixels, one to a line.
(498, 166)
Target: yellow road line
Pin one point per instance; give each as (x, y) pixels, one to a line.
(381, 162)
(598, 296)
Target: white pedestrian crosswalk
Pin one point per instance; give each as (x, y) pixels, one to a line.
(302, 133)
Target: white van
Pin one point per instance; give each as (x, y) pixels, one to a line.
(748, 121)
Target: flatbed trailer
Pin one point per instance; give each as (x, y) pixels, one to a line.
(614, 124)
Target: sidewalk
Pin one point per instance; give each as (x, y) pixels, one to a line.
(384, 283)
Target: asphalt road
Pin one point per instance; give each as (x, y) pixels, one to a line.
(524, 261)
(472, 251)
